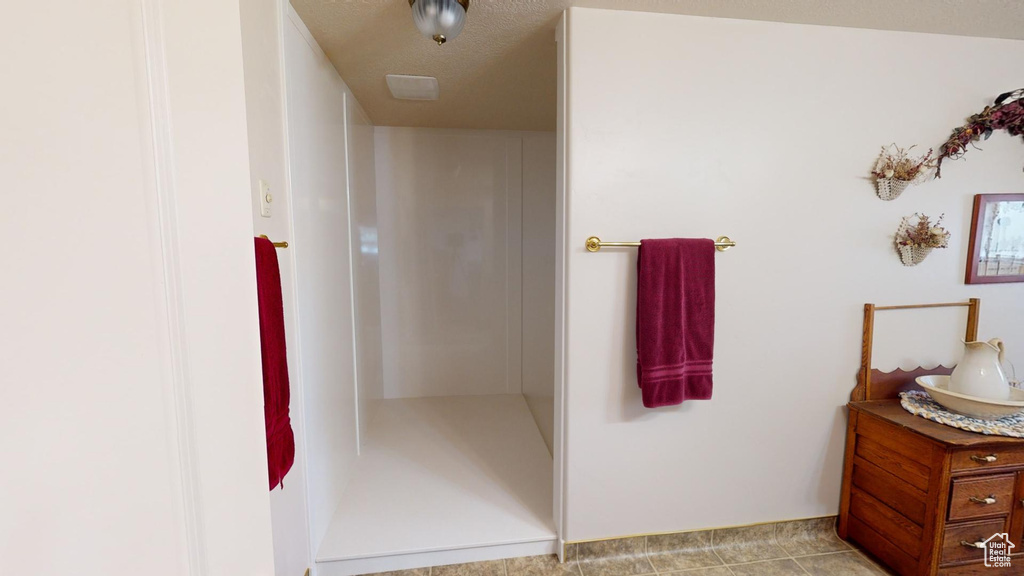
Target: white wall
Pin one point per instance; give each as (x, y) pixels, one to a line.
(129, 333)
(262, 44)
(206, 92)
(317, 100)
(696, 127)
(74, 357)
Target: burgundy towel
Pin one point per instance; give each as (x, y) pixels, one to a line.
(280, 439)
(675, 320)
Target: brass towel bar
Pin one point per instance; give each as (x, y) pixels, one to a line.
(276, 244)
(594, 244)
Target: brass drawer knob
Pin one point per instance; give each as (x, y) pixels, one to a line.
(987, 500)
(978, 544)
(984, 459)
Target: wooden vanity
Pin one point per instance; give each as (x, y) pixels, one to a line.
(916, 493)
(920, 496)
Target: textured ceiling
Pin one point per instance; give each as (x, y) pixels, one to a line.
(500, 72)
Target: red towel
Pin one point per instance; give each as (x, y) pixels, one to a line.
(280, 439)
(675, 320)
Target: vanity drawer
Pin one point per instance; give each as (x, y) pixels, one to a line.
(981, 459)
(981, 496)
(957, 544)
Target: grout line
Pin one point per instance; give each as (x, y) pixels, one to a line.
(504, 566)
(715, 552)
(835, 532)
(579, 565)
(647, 555)
(801, 566)
(820, 554)
(775, 538)
(761, 560)
(695, 570)
(775, 541)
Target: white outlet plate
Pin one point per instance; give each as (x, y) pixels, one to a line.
(266, 199)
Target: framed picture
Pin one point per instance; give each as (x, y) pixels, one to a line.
(996, 251)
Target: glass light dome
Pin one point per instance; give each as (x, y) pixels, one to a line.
(439, 20)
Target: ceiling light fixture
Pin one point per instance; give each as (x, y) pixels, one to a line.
(439, 20)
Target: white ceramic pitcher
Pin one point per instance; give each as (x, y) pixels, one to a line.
(980, 372)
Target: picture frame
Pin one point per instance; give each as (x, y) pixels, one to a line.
(996, 250)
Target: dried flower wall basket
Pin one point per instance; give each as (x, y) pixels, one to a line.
(890, 188)
(917, 236)
(896, 169)
(914, 255)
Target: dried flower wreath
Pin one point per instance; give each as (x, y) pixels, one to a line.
(1007, 114)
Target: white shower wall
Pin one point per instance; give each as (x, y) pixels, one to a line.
(365, 268)
(450, 213)
(539, 280)
(320, 106)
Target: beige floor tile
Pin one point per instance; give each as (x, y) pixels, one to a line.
(785, 567)
(490, 568)
(805, 537)
(622, 557)
(747, 544)
(544, 565)
(674, 552)
(846, 563)
(413, 572)
(716, 571)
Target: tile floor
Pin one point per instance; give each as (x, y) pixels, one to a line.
(800, 548)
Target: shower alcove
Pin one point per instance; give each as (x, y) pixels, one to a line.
(452, 461)
(424, 283)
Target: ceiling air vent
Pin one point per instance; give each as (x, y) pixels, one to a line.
(413, 87)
